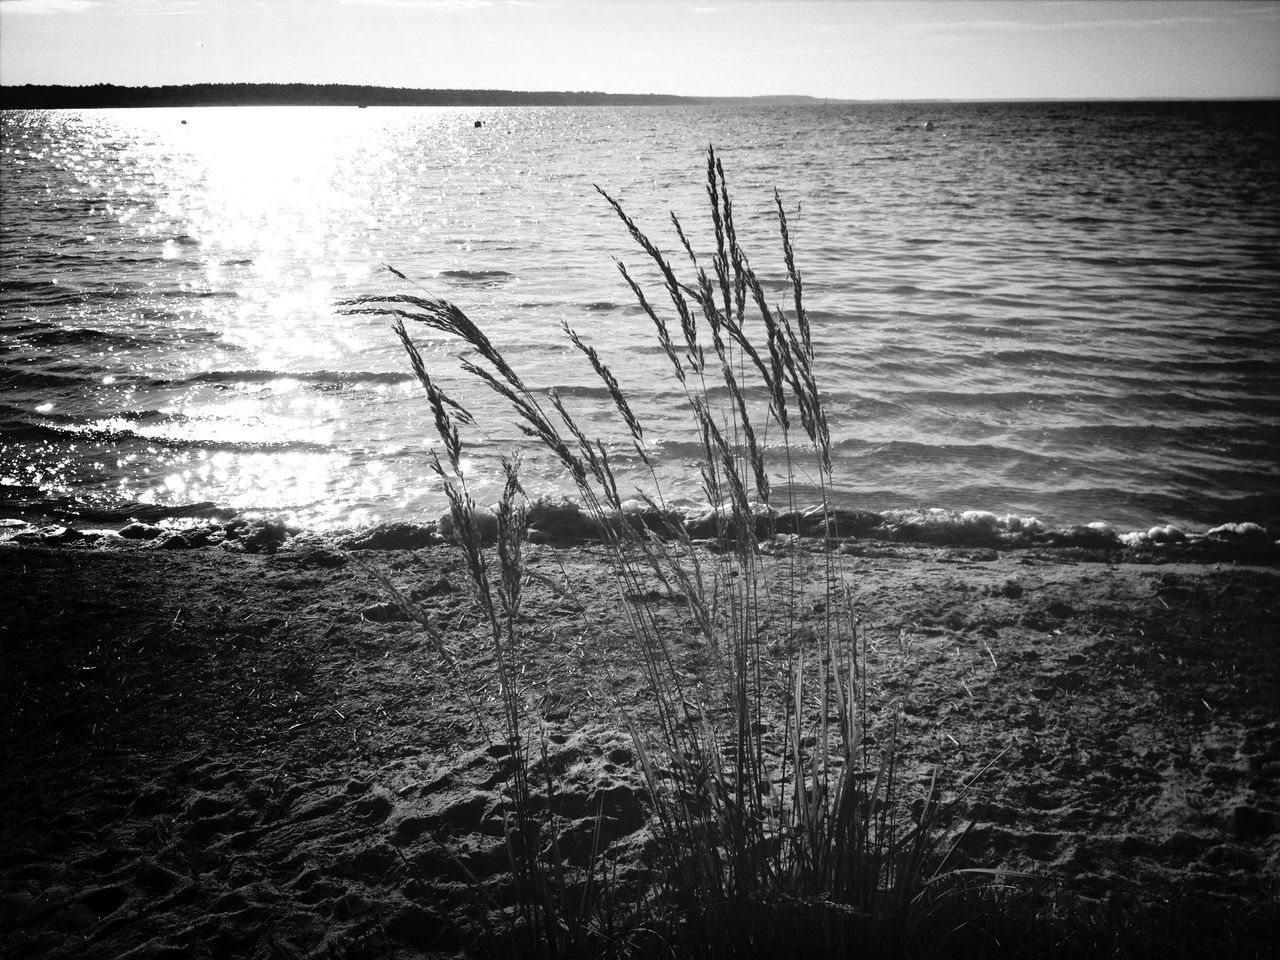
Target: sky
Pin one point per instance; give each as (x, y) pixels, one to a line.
(846, 49)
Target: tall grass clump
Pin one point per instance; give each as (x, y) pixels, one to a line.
(784, 821)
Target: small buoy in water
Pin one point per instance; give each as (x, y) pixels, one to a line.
(479, 124)
(928, 125)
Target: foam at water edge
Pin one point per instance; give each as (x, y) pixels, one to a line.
(557, 519)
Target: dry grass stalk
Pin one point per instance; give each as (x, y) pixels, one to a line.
(746, 814)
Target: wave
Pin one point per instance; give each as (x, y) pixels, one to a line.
(28, 500)
(24, 431)
(1211, 371)
(16, 327)
(167, 293)
(477, 278)
(83, 336)
(934, 323)
(26, 286)
(859, 531)
(52, 294)
(40, 379)
(36, 293)
(72, 377)
(15, 417)
(321, 377)
(181, 239)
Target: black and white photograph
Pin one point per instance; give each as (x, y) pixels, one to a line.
(648, 479)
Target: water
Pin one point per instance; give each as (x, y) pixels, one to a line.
(1067, 310)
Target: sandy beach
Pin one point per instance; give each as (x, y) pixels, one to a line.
(242, 749)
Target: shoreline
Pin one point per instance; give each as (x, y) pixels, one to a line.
(556, 519)
(244, 748)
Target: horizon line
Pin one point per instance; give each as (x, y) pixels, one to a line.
(1119, 98)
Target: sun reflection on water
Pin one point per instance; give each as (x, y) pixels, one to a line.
(261, 203)
(295, 485)
(258, 217)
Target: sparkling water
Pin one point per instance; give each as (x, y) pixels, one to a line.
(1068, 310)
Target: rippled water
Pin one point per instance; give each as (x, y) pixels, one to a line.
(1070, 310)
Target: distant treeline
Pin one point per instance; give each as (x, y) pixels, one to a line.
(332, 94)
